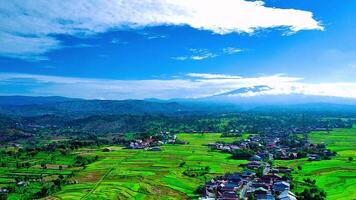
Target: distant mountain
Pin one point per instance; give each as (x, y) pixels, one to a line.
(30, 100)
(255, 96)
(232, 101)
(245, 90)
(93, 107)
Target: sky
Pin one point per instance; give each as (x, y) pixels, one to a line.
(137, 49)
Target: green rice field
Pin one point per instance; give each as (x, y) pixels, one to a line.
(336, 176)
(139, 174)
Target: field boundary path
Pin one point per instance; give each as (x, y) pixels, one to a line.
(103, 177)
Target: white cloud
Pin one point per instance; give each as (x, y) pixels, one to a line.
(202, 54)
(196, 54)
(231, 50)
(31, 24)
(26, 47)
(212, 76)
(192, 85)
(181, 58)
(152, 36)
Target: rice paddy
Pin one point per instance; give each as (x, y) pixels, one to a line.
(139, 174)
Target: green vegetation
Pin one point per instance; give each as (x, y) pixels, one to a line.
(32, 176)
(139, 174)
(175, 172)
(337, 177)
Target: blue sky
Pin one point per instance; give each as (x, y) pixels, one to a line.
(120, 49)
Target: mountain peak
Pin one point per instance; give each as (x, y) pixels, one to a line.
(244, 90)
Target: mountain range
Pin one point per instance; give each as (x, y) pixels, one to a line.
(230, 101)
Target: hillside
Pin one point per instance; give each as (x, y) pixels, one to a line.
(92, 107)
(224, 103)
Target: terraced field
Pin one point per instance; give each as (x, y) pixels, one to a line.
(9, 172)
(336, 176)
(139, 174)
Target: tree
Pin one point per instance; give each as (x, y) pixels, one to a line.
(207, 168)
(44, 166)
(181, 164)
(299, 167)
(27, 165)
(259, 172)
(350, 159)
(251, 197)
(3, 196)
(43, 192)
(199, 190)
(242, 153)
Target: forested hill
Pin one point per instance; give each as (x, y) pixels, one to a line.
(61, 106)
(93, 107)
(30, 100)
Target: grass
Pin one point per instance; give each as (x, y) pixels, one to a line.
(139, 174)
(336, 176)
(9, 172)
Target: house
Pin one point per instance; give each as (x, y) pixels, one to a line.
(235, 177)
(210, 189)
(234, 147)
(229, 196)
(269, 196)
(328, 153)
(256, 158)
(2, 191)
(17, 145)
(271, 178)
(248, 175)
(106, 149)
(22, 183)
(281, 186)
(206, 198)
(271, 145)
(140, 144)
(252, 165)
(260, 193)
(230, 187)
(313, 157)
(282, 170)
(260, 185)
(287, 195)
(226, 148)
(154, 149)
(293, 156)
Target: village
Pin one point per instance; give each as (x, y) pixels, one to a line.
(279, 147)
(260, 180)
(153, 143)
(266, 185)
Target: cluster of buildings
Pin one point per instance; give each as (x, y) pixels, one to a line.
(4, 191)
(153, 142)
(259, 180)
(247, 185)
(266, 148)
(142, 144)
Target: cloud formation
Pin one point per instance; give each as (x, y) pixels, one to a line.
(192, 85)
(196, 54)
(231, 50)
(212, 76)
(28, 28)
(202, 54)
